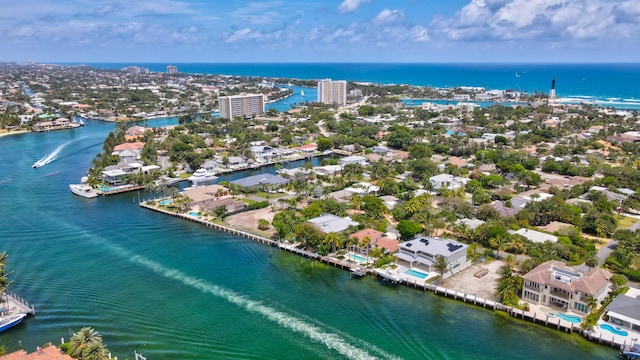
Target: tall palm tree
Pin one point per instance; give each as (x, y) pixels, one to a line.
(95, 351)
(81, 340)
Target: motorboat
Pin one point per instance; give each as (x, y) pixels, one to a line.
(83, 190)
(9, 321)
(202, 175)
(37, 164)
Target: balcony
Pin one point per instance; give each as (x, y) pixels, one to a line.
(561, 294)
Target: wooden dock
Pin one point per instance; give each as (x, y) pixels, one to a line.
(16, 305)
(537, 318)
(120, 191)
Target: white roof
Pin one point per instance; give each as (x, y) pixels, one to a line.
(535, 236)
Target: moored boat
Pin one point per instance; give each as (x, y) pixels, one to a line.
(11, 320)
(201, 175)
(83, 190)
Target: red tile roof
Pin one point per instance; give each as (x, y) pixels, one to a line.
(129, 146)
(49, 353)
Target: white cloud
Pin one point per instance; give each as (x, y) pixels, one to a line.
(550, 20)
(350, 5)
(389, 16)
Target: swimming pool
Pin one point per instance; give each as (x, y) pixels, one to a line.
(615, 330)
(418, 274)
(356, 257)
(166, 202)
(570, 318)
(194, 214)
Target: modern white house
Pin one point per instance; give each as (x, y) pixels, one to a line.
(553, 283)
(447, 182)
(422, 252)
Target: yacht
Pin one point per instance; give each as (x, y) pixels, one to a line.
(301, 92)
(83, 190)
(202, 175)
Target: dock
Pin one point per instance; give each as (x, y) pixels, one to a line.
(539, 318)
(16, 305)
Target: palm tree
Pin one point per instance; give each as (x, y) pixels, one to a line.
(510, 261)
(95, 351)
(441, 265)
(333, 239)
(366, 241)
(592, 261)
(498, 242)
(81, 340)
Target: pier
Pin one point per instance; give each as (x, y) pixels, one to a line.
(13, 304)
(540, 318)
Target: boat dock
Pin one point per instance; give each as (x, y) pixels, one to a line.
(540, 318)
(16, 305)
(120, 190)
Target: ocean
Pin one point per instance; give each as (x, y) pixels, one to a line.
(172, 289)
(608, 85)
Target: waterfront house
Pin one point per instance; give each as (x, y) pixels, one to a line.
(261, 182)
(128, 146)
(135, 132)
(331, 223)
(376, 238)
(422, 252)
(128, 156)
(212, 197)
(115, 174)
(354, 159)
(624, 311)
(553, 283)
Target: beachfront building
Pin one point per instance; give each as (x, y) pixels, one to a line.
(422, 252)
(115, 174)
(241, 105)
(172, 69)
(332, 92)
(553, 283)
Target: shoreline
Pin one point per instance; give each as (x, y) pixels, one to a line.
(9, 133)
(495, 306)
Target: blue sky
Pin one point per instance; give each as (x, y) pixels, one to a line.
(320, 31)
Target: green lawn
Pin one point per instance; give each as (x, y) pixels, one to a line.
(624, 222)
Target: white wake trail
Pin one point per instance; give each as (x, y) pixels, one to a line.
(54, 154)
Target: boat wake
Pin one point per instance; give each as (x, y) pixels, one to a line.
(53, 155)
(314, 332)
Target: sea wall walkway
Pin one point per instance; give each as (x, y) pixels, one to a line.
(537, 317)
(16, 305)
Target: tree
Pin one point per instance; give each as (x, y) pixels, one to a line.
(441, 265)
(325, 144)
(263, 224)
(335, 240)
(592, 261)
(81, 341)
(408, 229)
(309, 235)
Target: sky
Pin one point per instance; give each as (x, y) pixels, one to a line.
(422, 31)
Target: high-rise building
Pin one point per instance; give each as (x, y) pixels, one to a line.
(171, 69)
(241, 105)
(552, 92)
(332, 92)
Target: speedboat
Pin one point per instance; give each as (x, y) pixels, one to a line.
(83, 190)
(202, 175)
(10, 321)
(37, 164)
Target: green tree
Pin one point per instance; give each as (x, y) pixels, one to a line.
(324, 144)
(81, 341)
(309, 235)
(408, 229)
(263, 224)
(441, 265)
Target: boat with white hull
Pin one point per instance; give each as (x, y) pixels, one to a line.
(83, 190)
(201, 176)
(9, 321)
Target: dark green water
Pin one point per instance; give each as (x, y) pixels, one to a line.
(172, 289)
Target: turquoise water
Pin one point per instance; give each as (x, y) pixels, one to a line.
(173, 289)
(614, 330)
(356, 257)
(604, 84)
(570, 318)
(194, 214)
(166, 202)
(417, 274)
